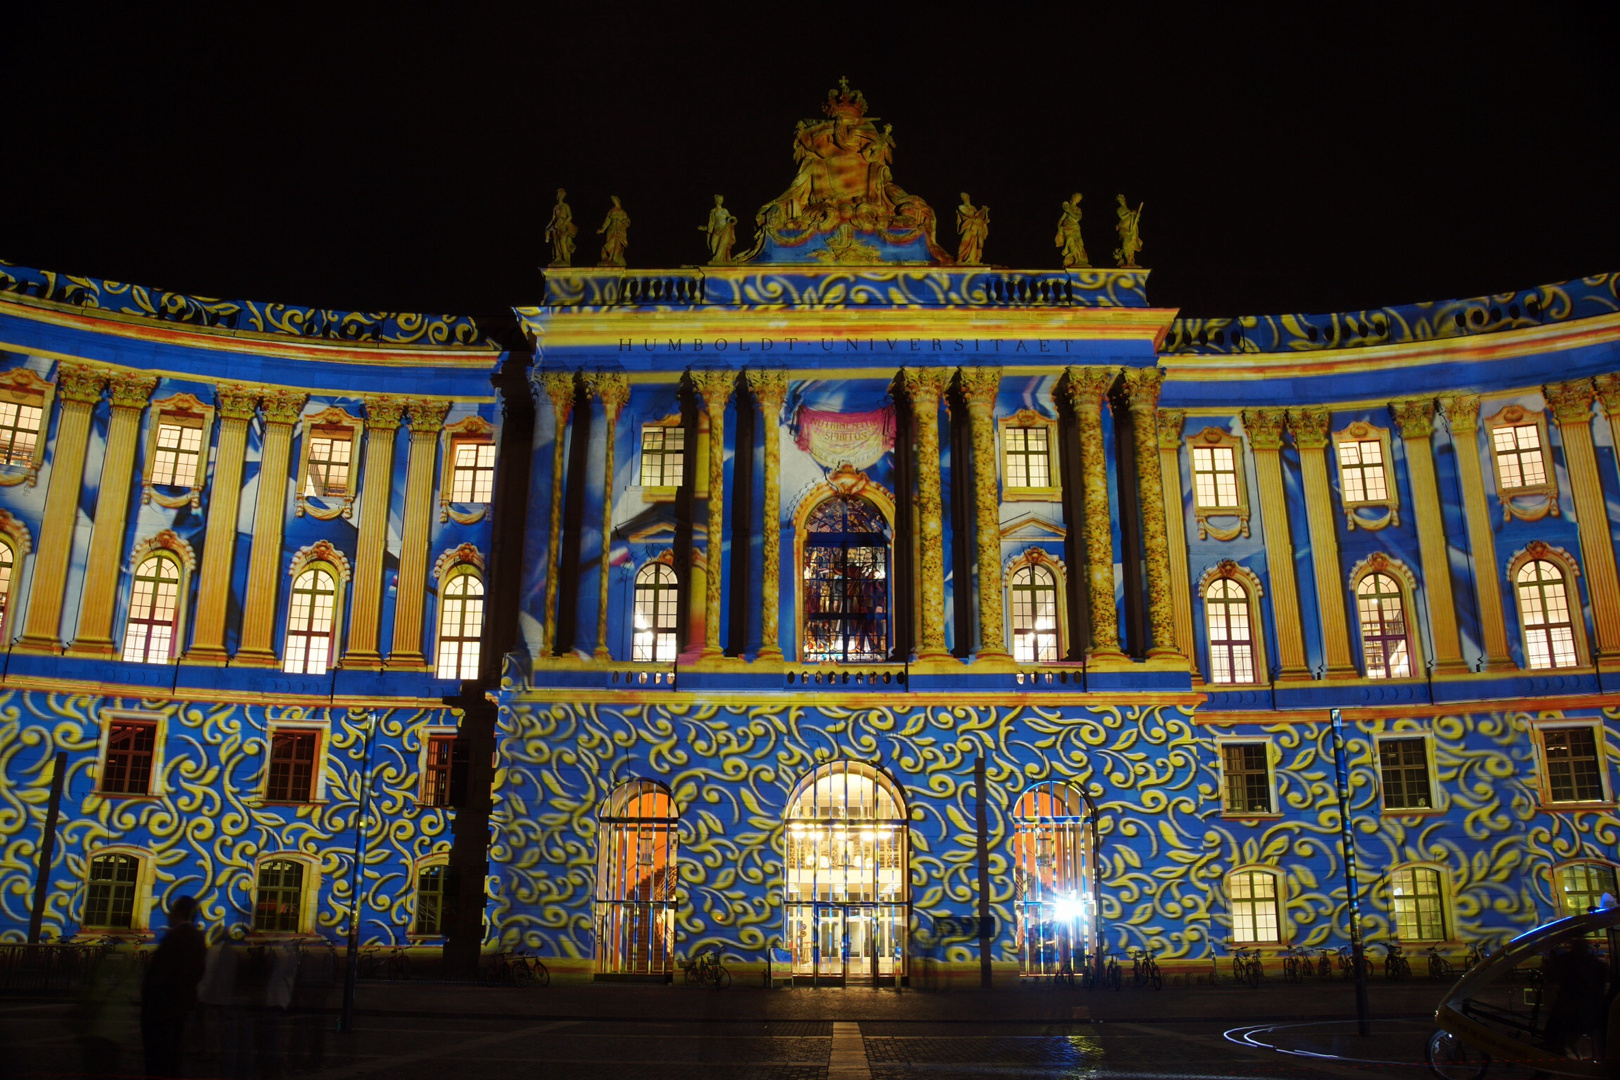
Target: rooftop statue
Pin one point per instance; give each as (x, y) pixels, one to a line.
(973, 226)
(560, 232)
(1068, 234)
(722, 231)
(1130, 237)
(615, 233)
(844, 206)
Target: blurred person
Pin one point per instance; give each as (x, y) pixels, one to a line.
(216, 998)
(108, 1008)
(169, 990)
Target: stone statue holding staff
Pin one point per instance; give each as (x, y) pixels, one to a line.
(973, 226)
(1130, 237)
(560, 232)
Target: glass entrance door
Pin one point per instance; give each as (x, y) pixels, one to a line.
(832, 943)
(830, 925)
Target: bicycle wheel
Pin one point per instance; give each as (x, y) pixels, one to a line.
(542, 977)
(521, 975)
(1252, 973)
(720, 978)
(1452, 1059)
(1155, 980)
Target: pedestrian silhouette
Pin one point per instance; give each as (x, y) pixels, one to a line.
(169, 990)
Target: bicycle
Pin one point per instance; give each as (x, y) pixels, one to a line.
(706, 968)
(1145, 971)
(528, 969)
(369, 965)
(1324, 966)
(1246, 966)
(1347, 966)
(1476, 955)
(1440, 969)
(397, 967)
(1113, 974)
(1396, 965)
(1293, 970)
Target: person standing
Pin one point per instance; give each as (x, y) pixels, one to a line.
(169, 990)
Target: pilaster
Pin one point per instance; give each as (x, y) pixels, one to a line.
(1142, 399)
(1415, 418)
(129, 393)
(1088, 388)
(979, 386)
(715, 387)
(376, 487)
(1571, 403)
(235, 404)
(281, 409)
(613, 390)
(1264, 428)
(1310, 429)
(926, 388)
(769, 388)
(78, 389)
(559, 388)
(426, 421)
(1168, 428)
(1462, 417)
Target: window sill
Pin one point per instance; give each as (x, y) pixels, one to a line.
(1577, 807)
(1258, 815)
(1422, 811)
(1024, 494)
(290, 802)
(126, 795)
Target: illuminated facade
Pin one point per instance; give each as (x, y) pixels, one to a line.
(774, 552)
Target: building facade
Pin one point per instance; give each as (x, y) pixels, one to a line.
(838, 593)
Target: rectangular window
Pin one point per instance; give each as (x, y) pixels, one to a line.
(292, 767)
(1247, 767)
(1419, 906)
(1215, 484)
(109, 899)
(1029, 457)
(1254, 907)
(1404, 764)
(1574, 769)
(19, 431)
(331, 453)
(1361, 469)
(127, 770)
(1582, 885)
(444, 777)
(663, 456)
(473, 476)
(179, 448)
(1519, 461)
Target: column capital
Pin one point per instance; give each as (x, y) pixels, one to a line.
(1608, 392)
(75, 382)
(1461, 412)
(768, 385)
(1571, 402)
(235, 402)
(1087, 385)
(383, 413)
(612, 387)
(714, 384)
(426, 415)
(1141, 387)
(1309, 427)
(282, 406)
(557, 385)
(130, 390)
(1170, 424)
(924, 384)
(1414, 416)
(1264, 428)
(979, 385)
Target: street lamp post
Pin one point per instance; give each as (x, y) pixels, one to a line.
(1096, 879)
(1347, 839)
(352, 967)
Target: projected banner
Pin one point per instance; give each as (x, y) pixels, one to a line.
(858, 438)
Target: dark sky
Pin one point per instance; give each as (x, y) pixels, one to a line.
(1292, 160)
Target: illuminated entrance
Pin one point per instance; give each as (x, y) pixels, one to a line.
(1052, 881)
(847, 900)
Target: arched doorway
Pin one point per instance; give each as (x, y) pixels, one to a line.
(844, 582)
(635, 881)
(1052, 879)
(847, 900)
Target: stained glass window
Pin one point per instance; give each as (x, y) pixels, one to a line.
(846, 582)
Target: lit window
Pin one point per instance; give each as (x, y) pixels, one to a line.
(154, 611)
(657, 599)
(1574, 768)
(846, 582)
(292, 767)
(1255, 914)
(1247, 770)
(1404, 765)
(7, 564)
(1361, 471)
(1231, 633)
(1549, 635)
(1520, 462)
(109, 901)
(1051, 881)
(1029, 457)
(279, 899)
(436, 891)
(1034, 615)
(1385, 645)
(636, 880)
(329, 457)
(175, 457)
(1419, 904)
(663, 455)
(19, 431)
(1215, 481)
(309, 623)
(1581, 887)
(127, 769)
(444, 775)
(461, 622)
(473, 473)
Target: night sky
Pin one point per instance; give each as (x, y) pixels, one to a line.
(1289, 161)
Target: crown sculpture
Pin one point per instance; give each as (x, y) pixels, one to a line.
(844, 206)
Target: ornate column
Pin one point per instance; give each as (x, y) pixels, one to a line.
(376, 486)
(1415, 418)
(715, 388)
(1608, 392)
(426, 420)
(559, 387)
(1264, 428)
(1088, 387)
(1310, 428)
(78, 389)
(1169, 434)
(235, 404)
(1142, 399)
(130, 393)
(926, 387)
(613, 388)
(281, 410)
(1571, 404)
(979, 386)
(1462, 416)
(769, 388)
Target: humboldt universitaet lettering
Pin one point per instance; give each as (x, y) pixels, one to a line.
(849, 345)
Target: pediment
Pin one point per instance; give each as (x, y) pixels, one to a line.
(1032, 527)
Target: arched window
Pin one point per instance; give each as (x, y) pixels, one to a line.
(1418, 902)
(846, 582)
(7, 565)
(436, 894)
(636, 879)
(1544, 614)
(1231, 632)
(1581, 885)
(461, 623)
(1386, 639)
(278, 897)
(109, 900)
(1051, 879)
(846, 874)
(656, 601)
(311, 614)
(1256, 906)
(154, 612)
(1034, 592)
